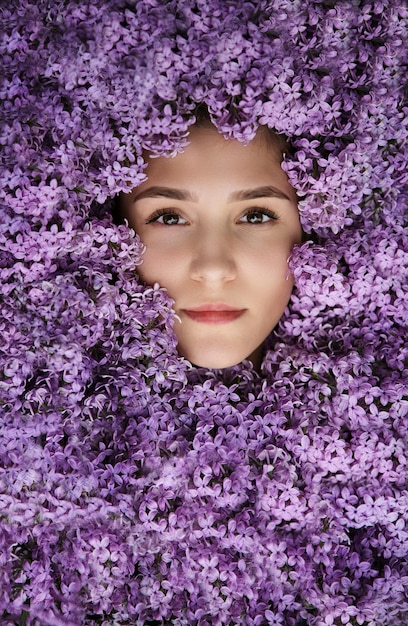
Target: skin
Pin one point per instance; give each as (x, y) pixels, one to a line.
(212, 246)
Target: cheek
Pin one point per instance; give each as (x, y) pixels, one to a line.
(269, 263)
(161, 266)
(274, 285)
(276, 295)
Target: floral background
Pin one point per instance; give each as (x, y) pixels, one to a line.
(135, 489)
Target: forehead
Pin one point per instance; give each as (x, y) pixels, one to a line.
(209, 156)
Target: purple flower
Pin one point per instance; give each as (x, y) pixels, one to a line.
(135, 488)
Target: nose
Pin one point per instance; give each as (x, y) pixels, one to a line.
(213, 258)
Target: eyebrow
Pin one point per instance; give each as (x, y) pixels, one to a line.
(267, 191)
(166, 192)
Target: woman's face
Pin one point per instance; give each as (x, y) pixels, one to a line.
(219, 222)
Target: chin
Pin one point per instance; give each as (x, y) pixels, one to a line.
(221, 361)
(215, 365)
(210, 361)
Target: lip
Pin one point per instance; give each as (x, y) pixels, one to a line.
(218, 313)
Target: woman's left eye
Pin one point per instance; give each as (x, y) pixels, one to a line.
(258, 216)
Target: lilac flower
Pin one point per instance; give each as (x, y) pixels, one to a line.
(135, 488)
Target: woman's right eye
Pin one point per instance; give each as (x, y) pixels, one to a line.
(167, 218)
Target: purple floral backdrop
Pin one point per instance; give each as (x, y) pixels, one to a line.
(134, 489)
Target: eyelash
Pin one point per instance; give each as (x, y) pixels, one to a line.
(160, 212)
(271, 214)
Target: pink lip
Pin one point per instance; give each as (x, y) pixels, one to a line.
(214, 313)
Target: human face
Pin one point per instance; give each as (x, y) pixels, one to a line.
(219, 221)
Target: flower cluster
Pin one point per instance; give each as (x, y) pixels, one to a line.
(135, 489)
